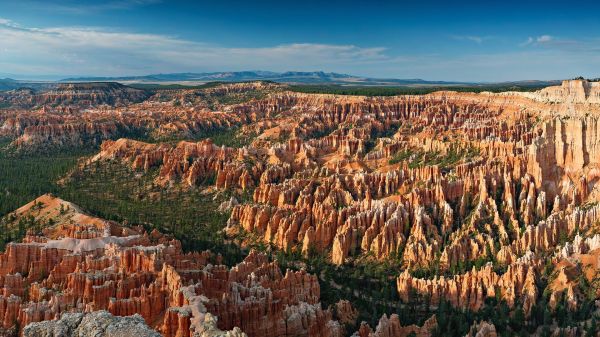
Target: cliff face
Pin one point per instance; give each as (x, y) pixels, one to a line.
(86, 264)
(516, 285)
(63, 127)
(88, 113)
(189, 163)
(573, 91)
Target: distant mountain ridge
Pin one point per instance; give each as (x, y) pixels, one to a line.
(288, 77)
(11, 84)
(233, 76)
(7, 84)
(291, 77)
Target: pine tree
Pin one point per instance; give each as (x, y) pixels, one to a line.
(518, 319)
(592, 329)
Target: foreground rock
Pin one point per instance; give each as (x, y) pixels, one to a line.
(97, 323)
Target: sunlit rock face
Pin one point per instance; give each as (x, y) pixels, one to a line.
(74, 95)
(84, 273)
(391, 327)
(573, 91)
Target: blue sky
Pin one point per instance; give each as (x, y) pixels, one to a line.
(449, 40)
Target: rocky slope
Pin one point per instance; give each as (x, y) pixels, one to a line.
(391, 327)
(573, 91)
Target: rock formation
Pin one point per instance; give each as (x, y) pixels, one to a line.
(482, 329)
(88, 113)
(573, 91)
(445, 181)
(391, 327)
(83, 273)
(74, 95)
(469, 290)
(345, 313)
(97, 323)
(472, 194)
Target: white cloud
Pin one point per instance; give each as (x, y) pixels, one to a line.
(8, 23)
(540, 40)
(584, 45)
(544, 39)
(473, 38)
(97, 51)
(527, 42)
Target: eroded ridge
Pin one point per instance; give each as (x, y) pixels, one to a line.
(76, 115)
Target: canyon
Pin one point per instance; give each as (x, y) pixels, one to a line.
(475, 198)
